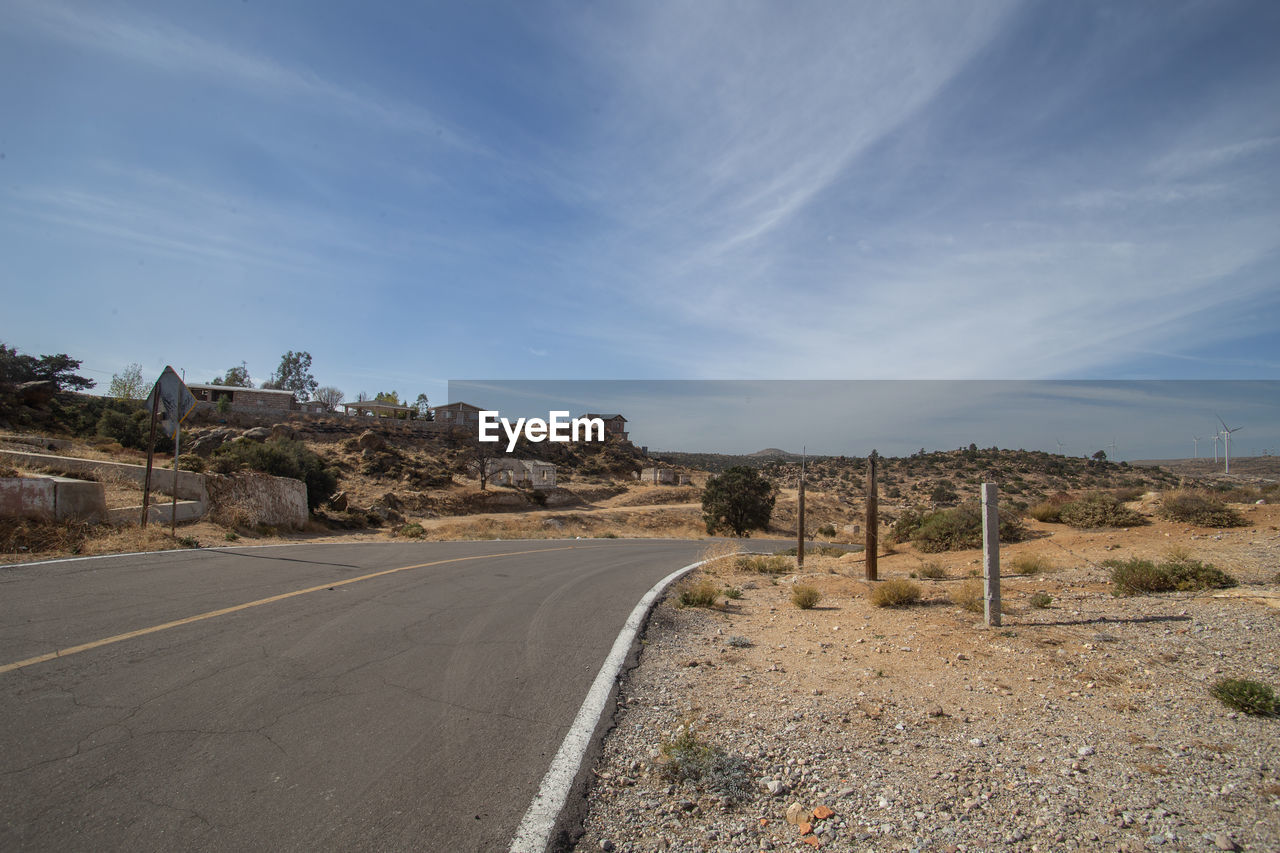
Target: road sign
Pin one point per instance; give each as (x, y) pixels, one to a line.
(176, 400)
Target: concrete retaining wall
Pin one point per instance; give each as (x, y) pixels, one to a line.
(52, 499)
(191, 486)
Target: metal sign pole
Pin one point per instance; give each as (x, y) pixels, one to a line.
(873, 521)
(151, 451)
(173, 519)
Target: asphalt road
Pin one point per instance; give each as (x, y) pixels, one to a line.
(414, 710)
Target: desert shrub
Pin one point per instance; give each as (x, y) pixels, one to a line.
(1030, 564)
(1136, 576)
(280, 457)
(231, 536)
(733, 593)
(1252, 697)
(191, 462)
(827, 530)
(412, 530)
(961, 527)
(895, 593)
(1041, 599)
(704, 593)
(771, 564)
(814, 549)
(1199, 509)
(906, 525)
(933, 571)
(1124, 494)
(970, 595)
(1098, 509)
(188, 542)
(739, 642)
(1049, 510)
(686, 758)
(805, 597)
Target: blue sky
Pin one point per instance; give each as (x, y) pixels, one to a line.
(414, 192)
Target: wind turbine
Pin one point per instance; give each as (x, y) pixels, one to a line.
(1061, 444)
(1196, 446)
(1217, 437)
(1226, 431)
(1112, 445)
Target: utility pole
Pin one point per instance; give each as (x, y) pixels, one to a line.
(800, 523)
(990, 555)
(873, 519)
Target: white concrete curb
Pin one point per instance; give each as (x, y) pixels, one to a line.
(539, 821)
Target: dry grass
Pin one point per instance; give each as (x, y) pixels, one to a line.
(805, 597)
(1030, 564)
(895, 593)
(970, 596)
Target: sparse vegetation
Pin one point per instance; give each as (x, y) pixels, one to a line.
(733, 593)
(932, 571)
(412, 530)
(1030, 564)
(1098, 509)
(814, 549)
(1040, 600)
(280, 457)
(1251, 697)
(895, 593)
(1136, 576)
(767, 564)
(1200, 509)
(970, 596)
(805, 597)
(703, 593)
(739, 642)
(687, 758)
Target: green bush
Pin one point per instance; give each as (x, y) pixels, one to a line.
(895, 593)
(1098, 509)
(732, 593)
(1041, 600)
(412, 530)
(1199, 509)
(1252, 697)
(805, 597)
(279, 457)
(961, 527)
(1136, 576)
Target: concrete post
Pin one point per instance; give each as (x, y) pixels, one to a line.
(991, 554)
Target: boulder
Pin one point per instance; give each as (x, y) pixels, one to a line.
(206, 444)
(37, 393)
(370, 440)
(283, 431)
(257, 434)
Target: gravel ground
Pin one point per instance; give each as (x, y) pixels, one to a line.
(1087, 725)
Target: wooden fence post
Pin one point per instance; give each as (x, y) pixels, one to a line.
(990, 554)
(873, 521)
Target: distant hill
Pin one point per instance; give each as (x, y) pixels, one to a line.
(774, 453)
(1243, 468)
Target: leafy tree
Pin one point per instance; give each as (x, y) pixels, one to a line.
(738, 500)
(294, 374)
(129, 384)
(237, 377)
(1100, 456)
(390, 397)
(424, 408)
(330, 396)
(16, 368)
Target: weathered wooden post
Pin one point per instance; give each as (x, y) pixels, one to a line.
(800, 519)
(990, 554)
(151, 452)
(873, 520)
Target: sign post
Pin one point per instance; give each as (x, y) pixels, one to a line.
(873, 520)
(800, 518)
(171, 394)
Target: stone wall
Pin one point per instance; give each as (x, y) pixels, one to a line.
(248, 499)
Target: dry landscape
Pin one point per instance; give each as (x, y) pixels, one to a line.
(1086, 724)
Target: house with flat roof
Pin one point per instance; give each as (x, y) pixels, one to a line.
(245, 399)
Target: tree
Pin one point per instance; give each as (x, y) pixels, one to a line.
(328, 395)
(16, 368)
(294, 374)
(389, 397)
(1100, 456)
(479, 455)
(424, 408)
(237, 377)
(739, 500)
(129, 384)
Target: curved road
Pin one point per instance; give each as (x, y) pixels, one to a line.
(305, 697)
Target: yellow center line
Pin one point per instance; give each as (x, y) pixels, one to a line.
(142, 632)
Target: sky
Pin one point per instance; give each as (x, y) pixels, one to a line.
(418, 192)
